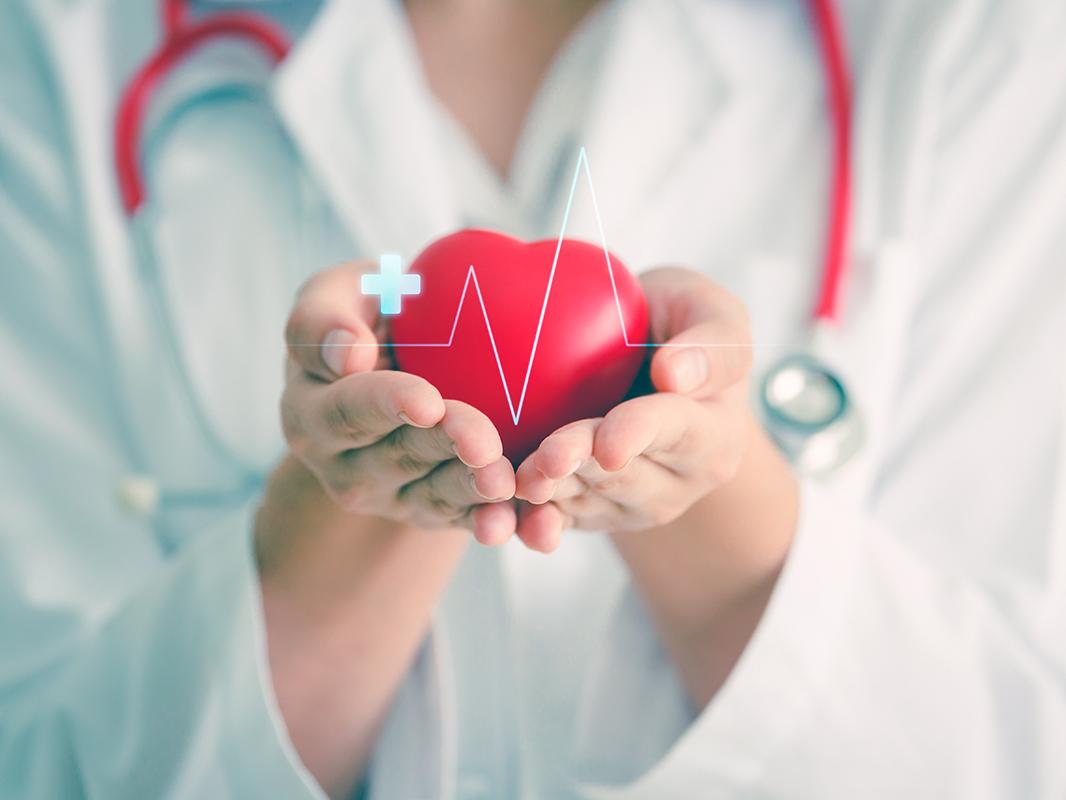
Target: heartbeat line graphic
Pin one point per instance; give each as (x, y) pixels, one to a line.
(471, 278)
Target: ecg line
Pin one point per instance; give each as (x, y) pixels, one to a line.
(471, 277)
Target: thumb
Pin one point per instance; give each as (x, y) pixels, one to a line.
(711, 353)
(330, 330)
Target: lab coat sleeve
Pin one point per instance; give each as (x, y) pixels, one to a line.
(164, 696)
(871, 674)
(125, 671)
(913, 645)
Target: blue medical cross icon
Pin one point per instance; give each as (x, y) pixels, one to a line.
(391, 284)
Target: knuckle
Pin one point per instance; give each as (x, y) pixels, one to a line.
(579, 504)
(408, 389)
(442, 507)
(341, 420)
(352, 497)
(298, 321)
(299, 446)
(607, 483)
(292, 427)
(337, 419)
(410, 464)
(399, 452)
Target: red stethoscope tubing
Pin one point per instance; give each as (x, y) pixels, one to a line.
(838, 89)
(183, 36)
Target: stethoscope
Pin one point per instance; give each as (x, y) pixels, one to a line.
(805, 404)
(182, 35)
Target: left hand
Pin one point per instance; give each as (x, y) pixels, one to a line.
(651, 458)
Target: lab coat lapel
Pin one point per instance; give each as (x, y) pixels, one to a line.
(667, 131)
(892, 179)
(652, 105)
(380, 167)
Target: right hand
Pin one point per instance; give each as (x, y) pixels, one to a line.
(382, 442)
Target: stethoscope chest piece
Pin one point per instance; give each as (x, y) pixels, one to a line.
(810, 415)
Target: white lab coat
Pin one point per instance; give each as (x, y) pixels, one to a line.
(914, 644)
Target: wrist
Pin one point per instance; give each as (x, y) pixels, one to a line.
(708, 576)
(346, 601)
(741, 530)
(315, 559)
(752, 518)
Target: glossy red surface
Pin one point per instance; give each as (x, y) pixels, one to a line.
(581, 366)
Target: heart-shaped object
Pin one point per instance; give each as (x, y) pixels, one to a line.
(532, 347)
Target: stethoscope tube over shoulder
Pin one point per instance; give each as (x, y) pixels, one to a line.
(182, 37)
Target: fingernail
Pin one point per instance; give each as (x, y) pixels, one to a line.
(479, 493)
(473, 485)
(574, 467)
(455, 449)
(690, 370)
(406, 420)
(335, 349)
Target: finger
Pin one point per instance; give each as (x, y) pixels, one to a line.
(446, 494)
(593, 511)
(558, 456)
(463, 432)
(476, 440)
(673, 430)
(591, 479)
(566, 489)
(531, 484)
(330, 332)
(361, 409)
(409, 453)
(493, 523)
(704, 333)
(541, 527)
(620, 496)
(562, 452)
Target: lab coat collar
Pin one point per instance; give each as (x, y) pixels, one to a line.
(652, 108)
(375, 164)
(654, 104)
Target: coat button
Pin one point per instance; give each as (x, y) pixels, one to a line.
(138, 494)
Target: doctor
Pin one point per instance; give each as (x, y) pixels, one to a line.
(192, 605)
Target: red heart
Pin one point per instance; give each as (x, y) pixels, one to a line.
(582, 365)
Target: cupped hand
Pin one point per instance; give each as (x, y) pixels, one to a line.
(651, 458)
(383, 442)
